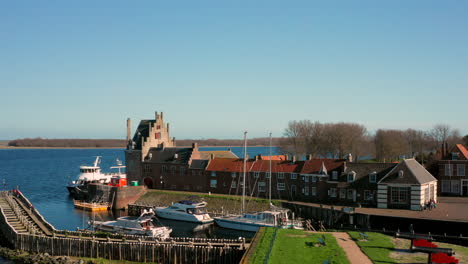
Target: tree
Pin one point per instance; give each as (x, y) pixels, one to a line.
(465, 140)
(390, 145)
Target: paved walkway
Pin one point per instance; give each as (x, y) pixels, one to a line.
(353, 252)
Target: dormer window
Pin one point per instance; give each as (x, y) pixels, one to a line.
(373, 177)
(454, 155)
(351, 176)
(334, 175)
(400, 174)
(256, 174)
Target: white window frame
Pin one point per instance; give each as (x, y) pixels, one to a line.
(305, 190)
(314, 191)
(334, 175)
(213, 174)
(332, 192)
(314, 178)
(445, 186)
(368, 195)
(261, 186)
(342, 193)
(460, 169)
(233, 174)
(233, 184)
(213, 183)
(455, 186)
(448, 169)
(305, 178)
(281, 186)
(280, 175)
(349, 194)
(256, 174)
(293, 176)
(353, 176)
(373, 177)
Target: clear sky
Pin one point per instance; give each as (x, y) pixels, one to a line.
(78, 69)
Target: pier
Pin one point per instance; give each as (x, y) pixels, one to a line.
(25, 229)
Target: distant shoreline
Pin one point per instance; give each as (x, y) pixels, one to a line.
(12, 147)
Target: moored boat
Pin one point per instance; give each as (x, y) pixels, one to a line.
(188, 211)
(93, 174)
(143, 225)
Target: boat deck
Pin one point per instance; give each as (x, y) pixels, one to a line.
(93, 207)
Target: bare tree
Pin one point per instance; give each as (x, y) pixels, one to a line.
(440, 133)
(390, 145)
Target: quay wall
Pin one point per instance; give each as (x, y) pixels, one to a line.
(120, 197)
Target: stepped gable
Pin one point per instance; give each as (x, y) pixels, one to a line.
(206, 154)
(315, 166)
(363, 170)
(409, 171)
(142, 131)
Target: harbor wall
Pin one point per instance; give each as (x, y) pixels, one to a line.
(127, 195)
(120, 197)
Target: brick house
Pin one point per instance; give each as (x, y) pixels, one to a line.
(452, 176)
(407, 186)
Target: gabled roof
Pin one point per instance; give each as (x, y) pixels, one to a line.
(228, 164)
(168, 155)
(314, 166)
(463, 151)
(273, 157)
(198, 164)
(277, 166)
(412, 173)
(206, 154)
(363, 170)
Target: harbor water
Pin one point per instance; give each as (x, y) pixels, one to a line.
(42, 174)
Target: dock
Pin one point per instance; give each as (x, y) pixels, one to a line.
(93, 207)
(24, 228)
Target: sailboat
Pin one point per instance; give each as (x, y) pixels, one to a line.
(275, 217)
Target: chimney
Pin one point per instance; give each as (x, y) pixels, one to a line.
(286, 156)
(212, 156)
(308, 156)
(293, 158)
(167, 128)
(129, 128)
(194, 145)
(229, 149)
(257, 157)
(161, 116)
(155, 115)
(349, 158)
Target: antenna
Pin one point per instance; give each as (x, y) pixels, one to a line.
(269, 193)
(245, 168)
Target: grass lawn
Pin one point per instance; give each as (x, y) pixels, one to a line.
(377, 247)
(382, 248)
(297, 246)
(264, 237)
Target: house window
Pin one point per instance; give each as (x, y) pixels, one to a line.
(281, 186)
(293, 189)
(448, 169)
(455, 186)
(314, 178)
(233, 184)
(261, 186)
(182, 171)
(213, 183)
(213, 173)
(293, 176)
(454, 155)
(373, 177)
(399, 195)
(350, 193)
(256, 174)
(173, 170)
(351, 176)
(280, 175)
(267, 175)
(305, 190)
(332, 192)
(368, 195)
(461, 169)
(334, 175)
(314, 191)
(233, 174)
(343, 193)
(305, 178)
(164, 168)
(445, 186)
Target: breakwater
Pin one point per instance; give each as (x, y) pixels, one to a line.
(114, 247)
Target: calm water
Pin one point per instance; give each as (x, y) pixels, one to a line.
(41, 174)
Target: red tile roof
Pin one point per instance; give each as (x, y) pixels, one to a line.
(463, 151)
(274, 157)
(313, 166)
(236, 165)
(228, 164)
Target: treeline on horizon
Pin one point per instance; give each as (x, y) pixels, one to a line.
(121, 143)
(385, 145)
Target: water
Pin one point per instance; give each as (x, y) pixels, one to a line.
(42, 174)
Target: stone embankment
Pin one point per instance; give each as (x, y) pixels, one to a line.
(19, 256)
(217, 203)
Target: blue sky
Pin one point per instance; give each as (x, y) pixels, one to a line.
(78, 69)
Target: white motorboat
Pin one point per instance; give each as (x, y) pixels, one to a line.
(275, 217)
(93, 174)
(143, 226)
(188, 211)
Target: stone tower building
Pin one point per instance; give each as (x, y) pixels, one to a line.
(149, 134)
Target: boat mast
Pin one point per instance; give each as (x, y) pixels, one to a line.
(269, 171)
(245, 168)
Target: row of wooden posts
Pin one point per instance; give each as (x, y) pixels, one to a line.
(131, 248)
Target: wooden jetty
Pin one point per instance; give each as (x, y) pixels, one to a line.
(93, 207)
(25, 229)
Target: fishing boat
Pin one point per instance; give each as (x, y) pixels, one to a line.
(189, 211)
(143, 226)
(275, 217)
(93, 174)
